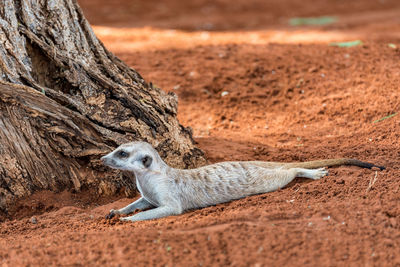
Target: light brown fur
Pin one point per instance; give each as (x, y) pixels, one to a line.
(171, 191)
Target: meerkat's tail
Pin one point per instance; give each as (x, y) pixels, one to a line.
(331, 163)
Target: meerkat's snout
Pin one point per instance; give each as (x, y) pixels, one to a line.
(108, 161)
(115, 159)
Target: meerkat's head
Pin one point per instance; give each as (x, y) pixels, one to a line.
(135, 157)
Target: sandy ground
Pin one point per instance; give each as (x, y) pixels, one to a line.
(251, 87)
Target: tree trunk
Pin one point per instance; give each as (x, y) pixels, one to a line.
(65, 101)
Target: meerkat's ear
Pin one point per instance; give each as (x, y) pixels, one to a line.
(147, 160)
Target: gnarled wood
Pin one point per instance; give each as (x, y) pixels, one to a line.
(65, 101)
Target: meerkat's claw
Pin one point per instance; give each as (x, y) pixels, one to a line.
(111, 214)
(319, 173)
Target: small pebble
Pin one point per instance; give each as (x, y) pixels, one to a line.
(33, 220)
(326, 218)
(224, 93)
(193, 74)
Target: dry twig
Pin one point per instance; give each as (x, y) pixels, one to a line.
(372, 182)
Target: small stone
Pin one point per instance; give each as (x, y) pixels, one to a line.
(33, 220)
(224, 93)
(193, 74)
(327, 218)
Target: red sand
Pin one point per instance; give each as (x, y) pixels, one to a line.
(288, 96)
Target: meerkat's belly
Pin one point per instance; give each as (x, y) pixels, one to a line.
(224, 182)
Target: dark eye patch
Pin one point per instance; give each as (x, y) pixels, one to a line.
(147, 160)
(122, 154)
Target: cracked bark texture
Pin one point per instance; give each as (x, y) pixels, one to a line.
(65, 101)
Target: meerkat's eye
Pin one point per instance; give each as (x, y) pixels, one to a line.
(147, 160)
(122, 154)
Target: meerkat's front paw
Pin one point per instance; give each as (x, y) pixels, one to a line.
(111, 214)
(319, 173)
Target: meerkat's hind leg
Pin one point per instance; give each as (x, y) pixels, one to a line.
(156, 213)
(311, 173)
(140, 204)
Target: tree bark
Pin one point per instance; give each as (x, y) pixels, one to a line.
(65, 101)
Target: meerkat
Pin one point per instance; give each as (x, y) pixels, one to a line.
(168, 191)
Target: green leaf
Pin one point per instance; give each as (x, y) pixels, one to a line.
(386, 117)
(325, 20)
(347, 44)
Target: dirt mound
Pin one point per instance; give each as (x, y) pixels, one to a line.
(252, 88)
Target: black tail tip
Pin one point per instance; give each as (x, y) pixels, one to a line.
(370, 165)
(381, 168)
